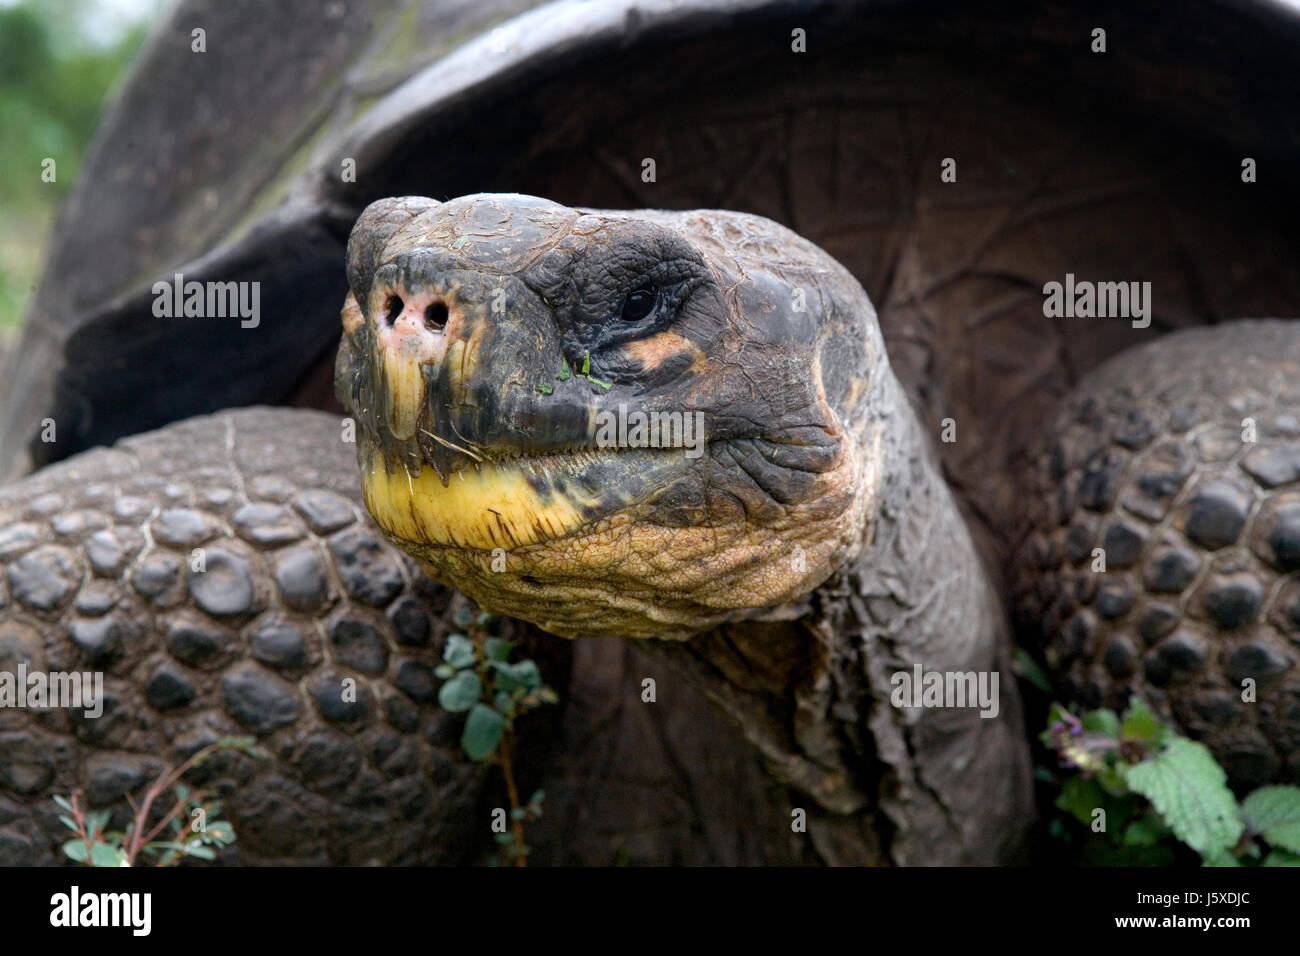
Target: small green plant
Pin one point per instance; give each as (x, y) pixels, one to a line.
(199, 836)
(566, 374)
(480, 679)
(1143, 789)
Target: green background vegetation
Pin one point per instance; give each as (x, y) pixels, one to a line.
(59, 63)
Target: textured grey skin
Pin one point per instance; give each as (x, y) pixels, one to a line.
(95, 574)
(1149, 461)
(669, 783)
(907, 787)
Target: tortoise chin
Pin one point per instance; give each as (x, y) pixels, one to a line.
(562, 539)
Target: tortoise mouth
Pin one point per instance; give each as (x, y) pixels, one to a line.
(572, 459)
(513, 500)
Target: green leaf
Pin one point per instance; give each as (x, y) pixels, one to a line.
(63, 802)
(1140, 724)
(445, 671)
(586, 363)
(537, 797)
(546, 389)
(101, 854)
(1282, 858)
(1144, 831)
(168, 851)
(68, 822)
(75, 850)
(497, 648)
(503, 678)
(518, 813)
(460, 242)
(595, 381)
(202, 852)
(1220, 858)
(221, 831)
(459, 651)
(483, 732)
(461, 692)
(236, 743)
(1079, 797)
(521, 676)
(503, 838)
(564, 370)
(1028, 668)
(504, 704)
(1190, 791)
(1274, 813)
(1104, 722)
(95, 822)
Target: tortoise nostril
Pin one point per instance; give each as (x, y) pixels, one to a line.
(395, 306)
(435, 316)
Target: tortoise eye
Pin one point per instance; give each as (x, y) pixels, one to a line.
(638, 304)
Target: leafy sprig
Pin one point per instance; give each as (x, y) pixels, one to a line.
(95, 845)
(1158, 788)
(481, 681)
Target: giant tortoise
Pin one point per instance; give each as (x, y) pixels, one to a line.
(883, 489)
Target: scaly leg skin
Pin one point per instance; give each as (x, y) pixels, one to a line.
(298, 592)
(1179, 462)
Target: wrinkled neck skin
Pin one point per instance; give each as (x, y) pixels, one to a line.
(883, 784)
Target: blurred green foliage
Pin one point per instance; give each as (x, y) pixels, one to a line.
(59, 60)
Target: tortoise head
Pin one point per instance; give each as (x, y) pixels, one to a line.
(602, 422)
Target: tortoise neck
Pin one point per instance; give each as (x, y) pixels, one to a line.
(886, 783)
